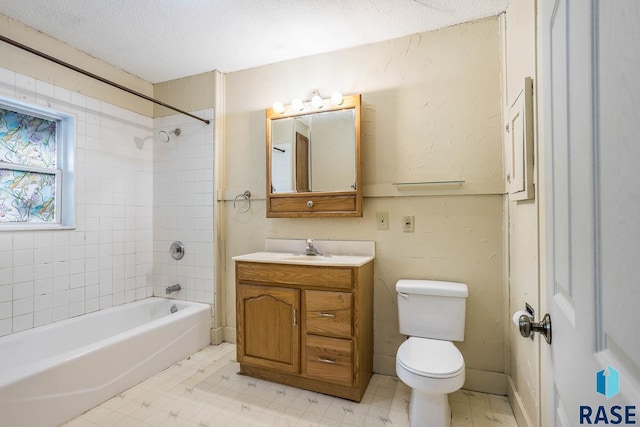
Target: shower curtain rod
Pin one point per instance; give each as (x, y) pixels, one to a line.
(95, 76)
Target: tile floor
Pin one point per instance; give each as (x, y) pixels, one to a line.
(203, 390)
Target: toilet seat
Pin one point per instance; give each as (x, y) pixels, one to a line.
(430, 358)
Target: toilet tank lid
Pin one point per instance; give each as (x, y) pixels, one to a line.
(432, 287)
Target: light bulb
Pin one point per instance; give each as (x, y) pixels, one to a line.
(297, 104)
(278, 107)
(336, 98)
(316, 101)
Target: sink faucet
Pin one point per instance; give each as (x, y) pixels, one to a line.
(173, 288)
(310, 249)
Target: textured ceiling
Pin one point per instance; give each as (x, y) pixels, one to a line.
(160, 40)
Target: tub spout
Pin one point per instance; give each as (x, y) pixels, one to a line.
(173, 288)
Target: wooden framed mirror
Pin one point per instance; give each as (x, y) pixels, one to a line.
(314, 161)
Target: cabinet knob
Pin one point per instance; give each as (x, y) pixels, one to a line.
(310, 204)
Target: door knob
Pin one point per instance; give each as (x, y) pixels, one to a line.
(528, 327)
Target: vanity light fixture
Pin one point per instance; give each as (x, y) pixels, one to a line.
(316, 102)
(278, 107)
(336, 98)
(297, 104)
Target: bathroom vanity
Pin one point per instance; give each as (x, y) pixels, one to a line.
(307, 321)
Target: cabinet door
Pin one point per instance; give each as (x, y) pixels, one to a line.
(268, 327)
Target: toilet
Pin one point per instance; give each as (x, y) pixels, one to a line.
(432, 314)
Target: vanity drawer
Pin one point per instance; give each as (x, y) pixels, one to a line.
(329, 359)
(328, 313)
(318, 204)
(300, 275)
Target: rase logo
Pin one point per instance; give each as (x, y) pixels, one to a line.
(608, 385)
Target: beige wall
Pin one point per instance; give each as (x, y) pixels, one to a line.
(431, 111)
(193, 93)
(524, 381)
(41, 69)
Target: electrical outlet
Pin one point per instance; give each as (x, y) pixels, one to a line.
(382, 219)
(408, 223)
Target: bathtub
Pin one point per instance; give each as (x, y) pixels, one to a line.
(53, 373)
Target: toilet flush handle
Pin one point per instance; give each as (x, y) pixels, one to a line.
(403, 295)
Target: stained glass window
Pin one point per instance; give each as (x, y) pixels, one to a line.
(27, 140)
(29, 174)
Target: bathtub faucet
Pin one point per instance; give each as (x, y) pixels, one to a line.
(173, 288)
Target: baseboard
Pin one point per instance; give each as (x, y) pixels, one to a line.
(217, 335)
(384, 365)
(485, 381)
(515, 400)
(229, 335)
(475, 379)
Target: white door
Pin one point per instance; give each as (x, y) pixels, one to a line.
(590, 53)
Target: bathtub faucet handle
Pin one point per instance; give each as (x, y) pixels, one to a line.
(173, 288)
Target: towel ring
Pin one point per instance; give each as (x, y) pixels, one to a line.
(245, 196)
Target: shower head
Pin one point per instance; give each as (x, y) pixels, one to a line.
(166, 136)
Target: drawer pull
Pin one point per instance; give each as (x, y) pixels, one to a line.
(321, 314)
(310, 204)
(328, 361)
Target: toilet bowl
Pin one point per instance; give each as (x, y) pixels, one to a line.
(433, 369)
(432, 314)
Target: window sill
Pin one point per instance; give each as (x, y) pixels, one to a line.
(36, 227)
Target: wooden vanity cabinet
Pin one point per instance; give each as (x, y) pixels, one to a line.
(306, 326)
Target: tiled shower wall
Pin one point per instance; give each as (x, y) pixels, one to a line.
(46, 276)
(183, 195)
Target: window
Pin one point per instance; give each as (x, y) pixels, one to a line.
(36, 167)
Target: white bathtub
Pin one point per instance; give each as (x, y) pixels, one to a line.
(53, 373)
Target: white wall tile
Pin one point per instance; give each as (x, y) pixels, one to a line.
(60, 313)
(22, 290)
(6, 310)
(92, 305)
(43, 302)
(43, 317)
(183, 190)
(6, 325)
(22, 306)
(25, 90)
(22, 241)
(22, 274)
(7, 82)
(6, 258)
(6, 278)
(76, 308)
(43, 286)
(22, 322)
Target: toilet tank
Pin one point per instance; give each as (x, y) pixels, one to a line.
(432, 309)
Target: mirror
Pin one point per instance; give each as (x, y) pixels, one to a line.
(313, 161)
(314, 152)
